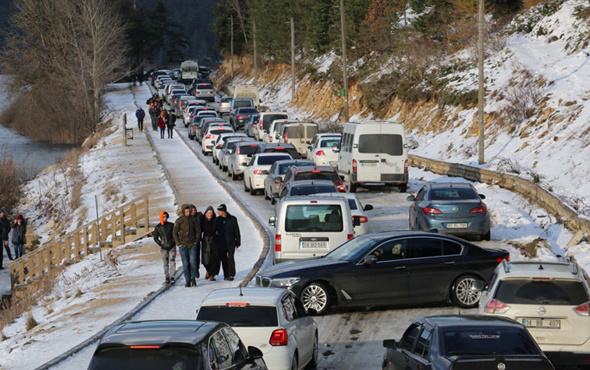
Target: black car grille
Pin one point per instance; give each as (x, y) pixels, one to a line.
(263, 282)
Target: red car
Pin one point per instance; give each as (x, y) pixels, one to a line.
(312, 173)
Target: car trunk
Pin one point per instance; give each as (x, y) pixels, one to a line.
(494, 363)
(459, 209)
(258, 337)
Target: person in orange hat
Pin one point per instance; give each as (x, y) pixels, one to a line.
(165, 239)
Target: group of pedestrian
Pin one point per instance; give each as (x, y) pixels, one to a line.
(19, 231)
(160, 116)
(201, 238)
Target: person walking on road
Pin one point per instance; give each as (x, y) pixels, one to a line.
(227, 233)
(140, 115)
(163, 236)
(4, 231)
(187, 233)
(210, 256)
(162, 124)
(19, 232)
(197, 217)
(153, 116)
(170, 123)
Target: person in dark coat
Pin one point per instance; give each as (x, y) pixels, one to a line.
(162, 124)
(227, 233)
(197, 217)
(140, 115)
(170, 123)
(4, 231)
(187, 234)
(19, 232)
(209, 253)
(163, 236)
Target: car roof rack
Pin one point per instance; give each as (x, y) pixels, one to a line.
(507, 266)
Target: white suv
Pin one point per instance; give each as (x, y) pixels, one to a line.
(551, 299)
(273, 320)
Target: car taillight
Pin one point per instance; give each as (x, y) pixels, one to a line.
(258, 172)
(500, 259)
(406, 165)
(209, 137)
(219, 145)
(354, 165)
(362, 219)
(240, 116)
(277, 243)
(350, 236)
(341, 188)
(286, 136)
(260, 124)
(481, 210)
(496, 306)
(583, 309)
(320, 152)
(279, 338)
(431, 211)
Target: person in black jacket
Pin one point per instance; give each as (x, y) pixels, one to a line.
(227, 233)
(209, 256)
(140, 115)
(19, 231)
(165, 239)
(4, 231)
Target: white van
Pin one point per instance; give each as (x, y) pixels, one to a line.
(373, 152)
(299, 134)
(265, 119)
(308, 227)
(247, 92)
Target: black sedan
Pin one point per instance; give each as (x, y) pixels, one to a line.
(389, 269)
(465, 343)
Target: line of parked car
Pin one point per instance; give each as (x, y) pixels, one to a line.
(530, 314)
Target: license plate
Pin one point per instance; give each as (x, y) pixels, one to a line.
(457, 226)
(331, 163)
(542, 323)
(368, 164)
(314, 245)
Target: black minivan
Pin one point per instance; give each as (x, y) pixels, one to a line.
(174, 344)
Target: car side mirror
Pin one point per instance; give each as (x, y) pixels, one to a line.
(356, 221)
(482, 196)
(369, 260)
(309, 147)
(335, 149)
(368, 207)
(411, 198)
(478, 286)
(254, 353)
(265, 172)
(272, 220)
(308, 142)
(389, 343)
(244, 164)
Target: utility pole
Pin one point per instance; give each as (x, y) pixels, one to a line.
(255, 55)
(344, 61)
(292, 58)
(231, 31)
(481, 92)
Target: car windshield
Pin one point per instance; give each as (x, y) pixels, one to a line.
(283, 168)
(146, 359)
(270, 159)
(329, 143)
(352, 249)
(332, 176)
(492, 341)
(240, 315)
(247, 110)
(312, 189)
(314, 218)
(453, 194)
(547, 292)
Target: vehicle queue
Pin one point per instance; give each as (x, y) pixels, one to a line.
(531, 315)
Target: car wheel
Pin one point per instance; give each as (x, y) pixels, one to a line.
(403, 188)
(295, 363)
(487, 236)
(224, 168)
(351, 188)
(316, 296)
(266, 197)
(252, 190)
(313, 363)
(462, 294)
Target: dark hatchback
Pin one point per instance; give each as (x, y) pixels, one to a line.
(465, 343)
(242, 115)
(279, 148)
(174, 344)
(389, 269)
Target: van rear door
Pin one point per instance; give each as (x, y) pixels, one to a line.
(381, 156)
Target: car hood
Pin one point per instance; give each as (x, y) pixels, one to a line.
(295, 268)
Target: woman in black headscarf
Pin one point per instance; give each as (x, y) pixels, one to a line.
(209, 255)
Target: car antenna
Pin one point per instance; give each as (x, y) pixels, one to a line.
(241, 294)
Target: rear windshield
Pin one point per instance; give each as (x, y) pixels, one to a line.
(247, 149)
(268, 118)
(208, 114)
(279, 126)
(332, 176)
(492, 341)
(453, 194)
(204, 87)
(146, 359)
(381, 143)
(247, 110)
(240, 315)
(298, 131)
(178, 92)
(220, 131)
(291, 151)
(554, 292)
(312, 189)
(285, 167)
(226, 100)
(314, 218)
(330, 143)
(242, 103)
(270, 159)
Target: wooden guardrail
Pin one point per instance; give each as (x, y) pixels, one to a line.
(123, 225)
(533, 192)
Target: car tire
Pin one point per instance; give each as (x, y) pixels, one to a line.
(487, 236)
(315, 356)
(266, 197)
(316, 296)
(295, 362)
(245, 187)
(403, 188)
(233, 176)
(351, 188)
(461, 292)
(252, 190)
(224, 168)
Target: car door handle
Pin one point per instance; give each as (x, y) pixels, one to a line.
(400, 267)
(450, 263)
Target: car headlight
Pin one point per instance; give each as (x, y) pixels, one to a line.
(284, 283)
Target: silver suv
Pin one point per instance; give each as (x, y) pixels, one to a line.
(239, 157)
